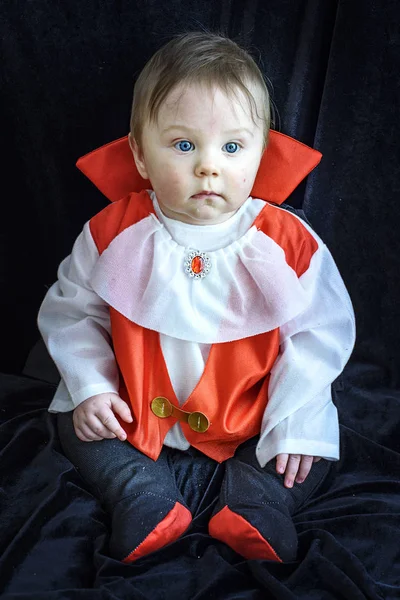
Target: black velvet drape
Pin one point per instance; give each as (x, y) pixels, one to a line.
(66, 78)
(67, 72)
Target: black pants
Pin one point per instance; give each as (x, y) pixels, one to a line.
(153, 502)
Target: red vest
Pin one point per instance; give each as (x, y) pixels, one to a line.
(233, 390)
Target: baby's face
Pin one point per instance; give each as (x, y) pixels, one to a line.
(202, 154)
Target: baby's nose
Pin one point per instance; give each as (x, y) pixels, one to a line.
(207, 166)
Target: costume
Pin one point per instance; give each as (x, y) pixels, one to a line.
(273, 308)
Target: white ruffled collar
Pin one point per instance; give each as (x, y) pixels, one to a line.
(249, 290)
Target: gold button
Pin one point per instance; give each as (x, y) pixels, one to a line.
(198, 422)
(161, 407)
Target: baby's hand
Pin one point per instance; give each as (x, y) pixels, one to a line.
(295, 466)
(95, 420)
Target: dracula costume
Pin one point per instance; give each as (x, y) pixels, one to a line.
(224, 340)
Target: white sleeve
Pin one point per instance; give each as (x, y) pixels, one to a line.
(300, 417)
(75, 324)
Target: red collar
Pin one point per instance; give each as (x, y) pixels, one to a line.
(285, 163)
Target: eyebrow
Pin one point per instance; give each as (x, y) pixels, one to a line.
(192, 130)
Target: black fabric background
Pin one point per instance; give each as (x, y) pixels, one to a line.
(66, 79)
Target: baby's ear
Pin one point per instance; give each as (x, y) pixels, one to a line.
(138, 156)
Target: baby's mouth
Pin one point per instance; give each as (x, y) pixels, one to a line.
(206, 195)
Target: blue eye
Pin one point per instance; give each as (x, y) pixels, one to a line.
(231, 147)
(184, 146)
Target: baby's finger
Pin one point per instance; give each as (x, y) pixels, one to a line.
(291, 469)
(281, 462)
(96, 426)
(304, 468)
(108, 419)
(121, 408)
(85, 434)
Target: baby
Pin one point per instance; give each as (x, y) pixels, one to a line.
(197, 328)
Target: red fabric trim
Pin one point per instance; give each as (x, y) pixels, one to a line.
(236, 532)
(145, 376)
(168, 530)
(114, 218)
(290, 234)
(285, 163)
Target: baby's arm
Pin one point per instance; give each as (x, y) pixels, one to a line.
(75, 324)
(300, 419)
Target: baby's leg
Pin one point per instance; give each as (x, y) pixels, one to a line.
(141, 495)
(254, 512)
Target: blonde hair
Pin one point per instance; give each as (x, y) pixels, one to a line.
(197, 58)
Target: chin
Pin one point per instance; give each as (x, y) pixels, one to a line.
(209, 217)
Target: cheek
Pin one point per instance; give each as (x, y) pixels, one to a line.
(168, 181)
(173, 179)
(243, 178)
(249, 174)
